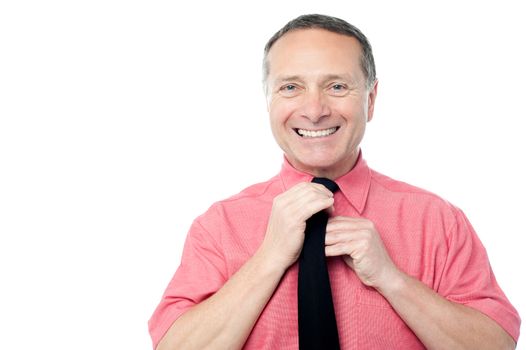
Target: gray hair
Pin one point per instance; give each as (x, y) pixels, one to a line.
(332, 24)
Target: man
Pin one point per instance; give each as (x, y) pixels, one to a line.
(407, 271)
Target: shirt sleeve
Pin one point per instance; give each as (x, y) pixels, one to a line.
(468, 279)
(201, 273)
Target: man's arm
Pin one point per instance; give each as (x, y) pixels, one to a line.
(437, 322)
(225, 320)
(440, 323)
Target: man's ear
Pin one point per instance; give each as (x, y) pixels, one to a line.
(371, 99)
(266, 94)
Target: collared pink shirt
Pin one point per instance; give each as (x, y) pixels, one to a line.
(426, 237)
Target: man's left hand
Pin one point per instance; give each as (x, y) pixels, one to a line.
(357, 240)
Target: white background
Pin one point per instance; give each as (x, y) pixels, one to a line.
(121, 121)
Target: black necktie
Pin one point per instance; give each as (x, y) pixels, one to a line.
(316, 319)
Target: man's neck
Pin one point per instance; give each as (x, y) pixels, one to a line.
(330, 172)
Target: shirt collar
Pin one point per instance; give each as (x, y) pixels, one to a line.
(354, 185)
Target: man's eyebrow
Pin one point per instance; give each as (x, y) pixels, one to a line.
(324, 78)
(284, 78)
(346, 77)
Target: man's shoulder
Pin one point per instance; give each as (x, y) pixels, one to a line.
(251, 204)
(412, 201)
(401, 189)
(394, 185)
(265, 190)
(251, 196)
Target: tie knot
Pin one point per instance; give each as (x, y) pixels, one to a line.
(331, 185)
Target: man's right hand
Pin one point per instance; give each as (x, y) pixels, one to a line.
(286, 227)
(210, 323)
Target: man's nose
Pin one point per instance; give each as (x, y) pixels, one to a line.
(315, 106)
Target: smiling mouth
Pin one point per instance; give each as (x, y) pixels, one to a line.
(316, 133)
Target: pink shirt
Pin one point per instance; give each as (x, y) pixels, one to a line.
(426, 237)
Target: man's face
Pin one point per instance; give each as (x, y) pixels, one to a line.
(318, 100)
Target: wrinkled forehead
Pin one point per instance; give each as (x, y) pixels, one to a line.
(313, 53)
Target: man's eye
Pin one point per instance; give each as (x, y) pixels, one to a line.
(338, 89)
(289, 90)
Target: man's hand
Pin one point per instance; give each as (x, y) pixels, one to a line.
(362, 249)
(286, 228)
(210, 323)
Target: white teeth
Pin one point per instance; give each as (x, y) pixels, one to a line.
(317, 133)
